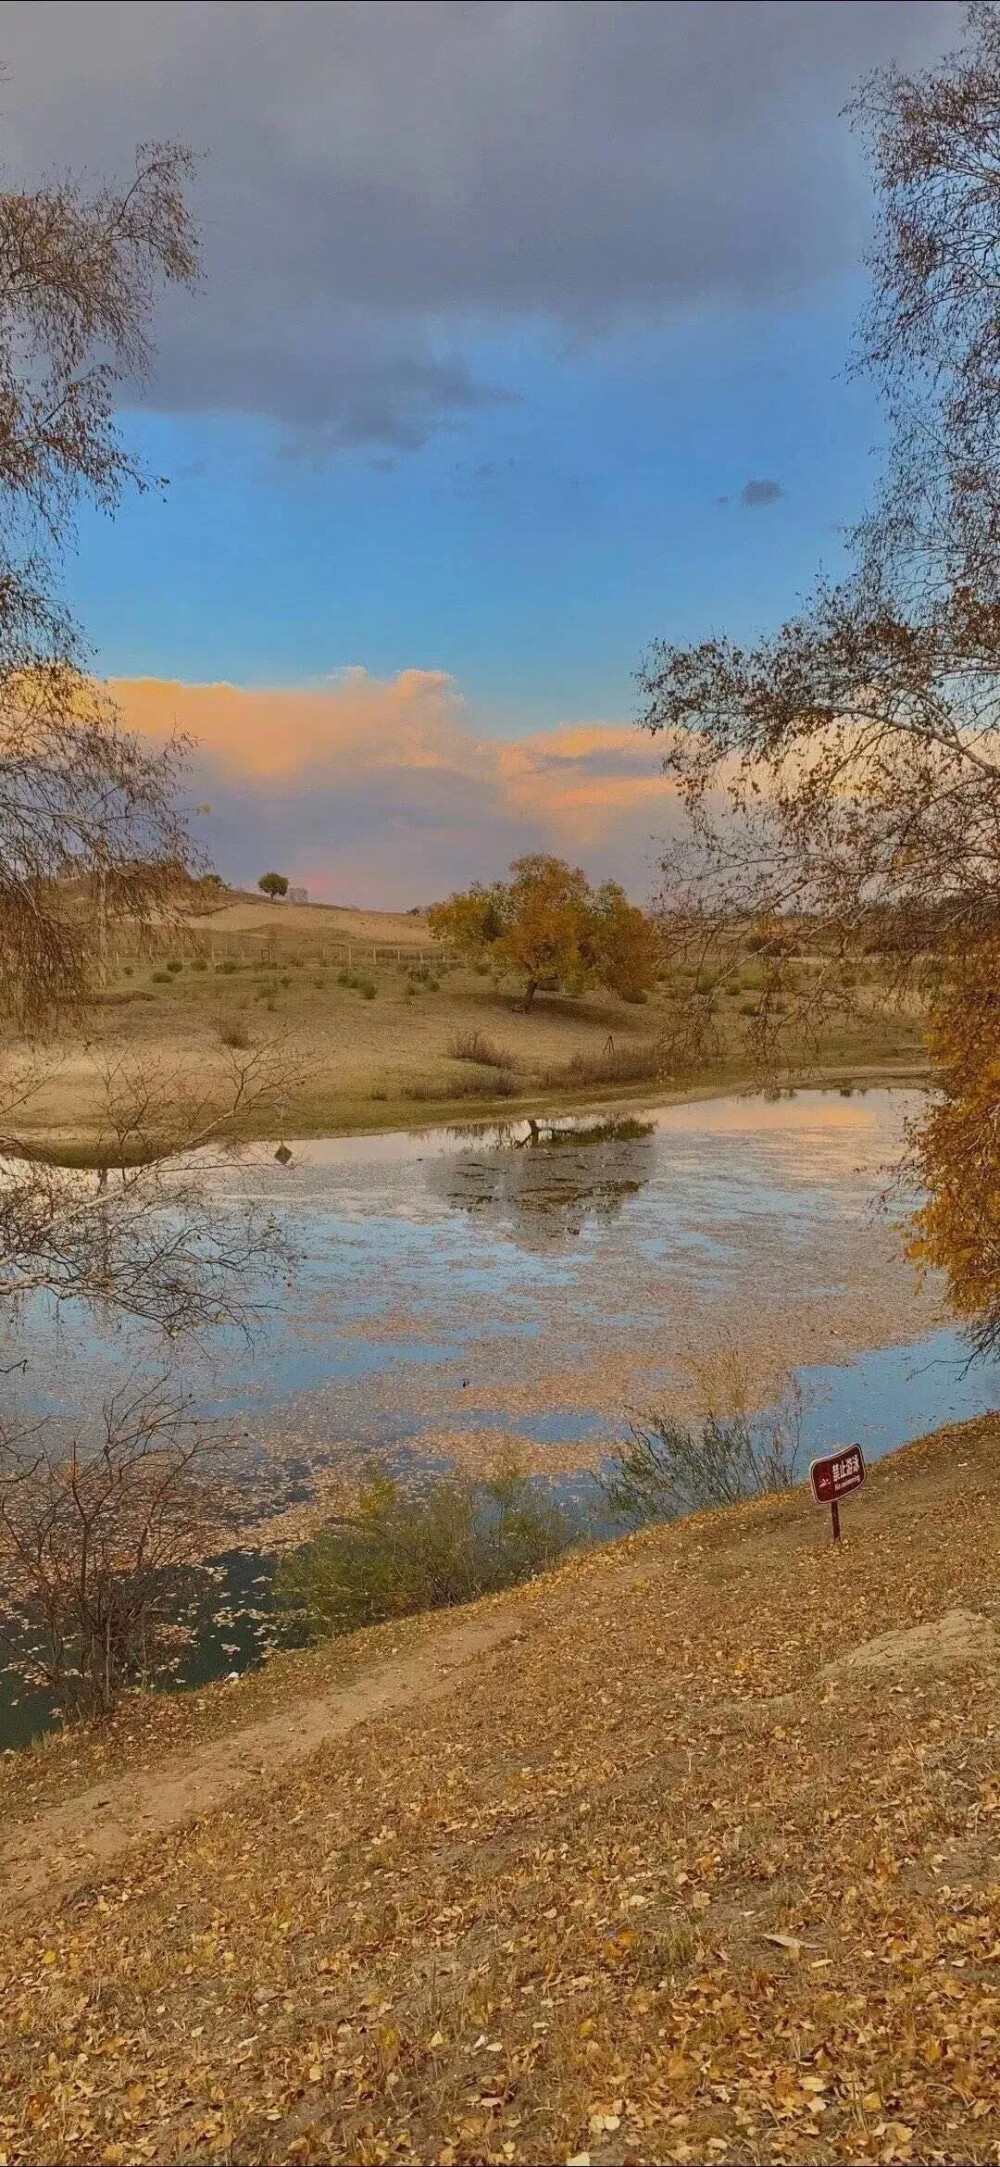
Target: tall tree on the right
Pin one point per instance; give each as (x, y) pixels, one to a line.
(843, 776)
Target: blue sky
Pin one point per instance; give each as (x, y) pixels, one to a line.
(503, 306)
(531, 549)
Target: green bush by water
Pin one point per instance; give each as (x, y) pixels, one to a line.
(405, 1551)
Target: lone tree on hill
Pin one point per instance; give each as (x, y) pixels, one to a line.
(273, 884)
(548, 926)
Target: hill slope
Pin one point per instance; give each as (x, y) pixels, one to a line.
(662, 1878)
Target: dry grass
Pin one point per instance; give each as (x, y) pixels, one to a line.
(613, 1065)
(276, 973)
(475, 1045)
(656, 1884)
(490, 1084)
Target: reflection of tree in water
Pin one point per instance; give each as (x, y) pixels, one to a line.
(540, 1183)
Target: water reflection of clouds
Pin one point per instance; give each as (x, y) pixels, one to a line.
(450, 1280)
(811, 1136)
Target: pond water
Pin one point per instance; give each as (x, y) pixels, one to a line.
(456, 1288)
(459, 1290)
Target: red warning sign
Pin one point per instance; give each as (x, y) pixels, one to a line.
(836, 1476)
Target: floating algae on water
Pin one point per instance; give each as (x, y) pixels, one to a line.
(540, 1183)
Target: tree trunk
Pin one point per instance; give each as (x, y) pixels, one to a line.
(530, 991)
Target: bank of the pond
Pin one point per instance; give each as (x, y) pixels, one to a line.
(883, 1400)
(305, 1119)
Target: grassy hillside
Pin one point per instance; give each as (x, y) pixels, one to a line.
(696, 1866)
(373, 1027)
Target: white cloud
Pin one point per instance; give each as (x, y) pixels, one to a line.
(381, 792)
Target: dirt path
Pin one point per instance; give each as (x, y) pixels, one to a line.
(64, 1846)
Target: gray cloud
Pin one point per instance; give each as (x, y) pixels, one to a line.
(755, 493)
(386, 185)
(603, 760)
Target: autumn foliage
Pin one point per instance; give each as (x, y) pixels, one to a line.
(842, 776)
(550, 928)
(956, 1145)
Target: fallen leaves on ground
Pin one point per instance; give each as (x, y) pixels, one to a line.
(642, 1888)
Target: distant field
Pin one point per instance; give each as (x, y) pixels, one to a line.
(372, 1026)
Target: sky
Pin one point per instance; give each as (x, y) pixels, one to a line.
(521, 339)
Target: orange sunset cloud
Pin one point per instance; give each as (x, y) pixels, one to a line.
(381, 792)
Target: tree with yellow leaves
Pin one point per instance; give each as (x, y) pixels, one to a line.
(549, 927)
(842, 777)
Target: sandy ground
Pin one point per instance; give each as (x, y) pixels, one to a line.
(333, 1060)
(336, 922)
(64, 1847)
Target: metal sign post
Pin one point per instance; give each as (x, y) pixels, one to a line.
(837, 1476)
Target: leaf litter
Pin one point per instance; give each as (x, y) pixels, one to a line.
(579, 1906)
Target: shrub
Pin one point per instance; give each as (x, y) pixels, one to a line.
(161, 978)
(227, 967)
(629, 1064)
(100, 1544)
(666, 1469)
(497, 1083)
(448, 1543)
(475, 1046)
(356, 982)
(235, 1034)
(175, 965)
